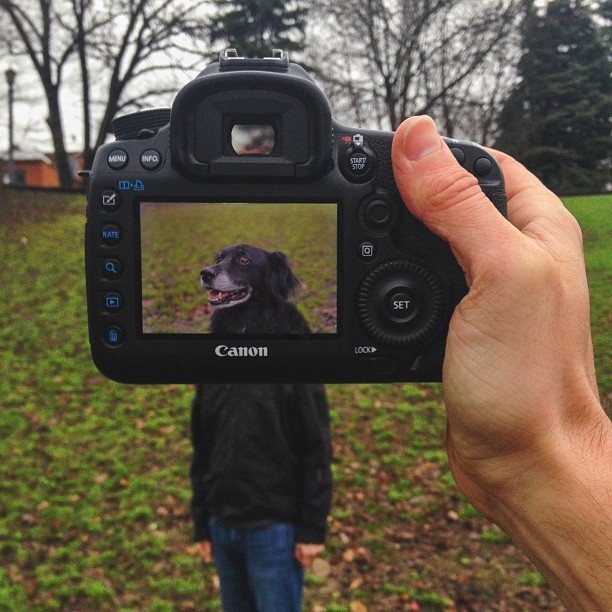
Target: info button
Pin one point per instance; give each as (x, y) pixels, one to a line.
(150, 159)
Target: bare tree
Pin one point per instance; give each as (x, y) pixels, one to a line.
(387, 59)
(115, 45)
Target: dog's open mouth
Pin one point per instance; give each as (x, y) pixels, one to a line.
(227, 298)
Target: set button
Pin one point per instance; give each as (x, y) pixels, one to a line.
(401, 304)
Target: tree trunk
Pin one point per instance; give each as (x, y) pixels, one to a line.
(64, 173)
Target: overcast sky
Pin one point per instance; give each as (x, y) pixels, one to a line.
(30, 109)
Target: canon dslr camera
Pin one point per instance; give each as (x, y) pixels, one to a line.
(244, 235)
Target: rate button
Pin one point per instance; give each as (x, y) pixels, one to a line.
(111, 234)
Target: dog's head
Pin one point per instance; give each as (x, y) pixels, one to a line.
(242, 272)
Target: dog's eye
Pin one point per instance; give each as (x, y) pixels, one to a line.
(244, 261)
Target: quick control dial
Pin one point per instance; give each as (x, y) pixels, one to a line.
(401, 303)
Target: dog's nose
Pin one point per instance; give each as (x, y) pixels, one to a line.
(207, 274)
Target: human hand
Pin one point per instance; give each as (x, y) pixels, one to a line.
(525, 427)
(205, 550)
(518, 359)
(307, 553)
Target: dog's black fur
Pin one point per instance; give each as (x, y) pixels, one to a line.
(249, 290)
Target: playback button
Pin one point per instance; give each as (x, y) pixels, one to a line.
(113, 302)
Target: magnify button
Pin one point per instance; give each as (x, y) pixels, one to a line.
(112, 268)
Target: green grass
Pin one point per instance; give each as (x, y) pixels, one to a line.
(94, 490)
(594, 213)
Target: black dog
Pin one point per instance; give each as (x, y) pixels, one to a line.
(249, 289)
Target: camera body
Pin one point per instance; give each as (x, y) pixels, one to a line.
(246, 185)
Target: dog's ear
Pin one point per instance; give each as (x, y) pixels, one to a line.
(282, 281)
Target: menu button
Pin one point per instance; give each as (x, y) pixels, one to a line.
(117, 159)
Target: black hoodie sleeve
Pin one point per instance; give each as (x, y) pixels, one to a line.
(313, 443)
(199, 465)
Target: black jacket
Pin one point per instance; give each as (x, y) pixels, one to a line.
(262, 454)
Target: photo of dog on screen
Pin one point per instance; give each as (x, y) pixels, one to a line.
(249, 290)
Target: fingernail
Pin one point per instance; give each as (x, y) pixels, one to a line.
(421, 138)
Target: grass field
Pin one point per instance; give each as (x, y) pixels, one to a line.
(94, 492)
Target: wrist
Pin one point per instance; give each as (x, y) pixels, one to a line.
(556, 507)
(530, 454)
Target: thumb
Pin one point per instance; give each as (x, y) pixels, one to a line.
(445, 196)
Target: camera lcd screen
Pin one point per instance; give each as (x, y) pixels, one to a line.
(178, 240)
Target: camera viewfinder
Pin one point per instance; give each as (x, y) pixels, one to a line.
(253, 139)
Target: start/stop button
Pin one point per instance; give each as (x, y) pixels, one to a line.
(357, 162)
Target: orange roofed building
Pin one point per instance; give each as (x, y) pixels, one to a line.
(34, 169)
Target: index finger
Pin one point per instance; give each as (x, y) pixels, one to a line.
(530, 202)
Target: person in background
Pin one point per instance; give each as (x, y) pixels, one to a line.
(262, 489)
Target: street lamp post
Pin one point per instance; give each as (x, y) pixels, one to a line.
(10, 75)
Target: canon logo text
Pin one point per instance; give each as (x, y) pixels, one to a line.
(241, 351)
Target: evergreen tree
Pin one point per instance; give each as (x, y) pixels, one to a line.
(557, 120)
(255, 27)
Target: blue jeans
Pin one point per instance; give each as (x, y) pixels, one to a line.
(257, 568)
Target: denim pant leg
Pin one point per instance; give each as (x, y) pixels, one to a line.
(230, 563)
(275, 576)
